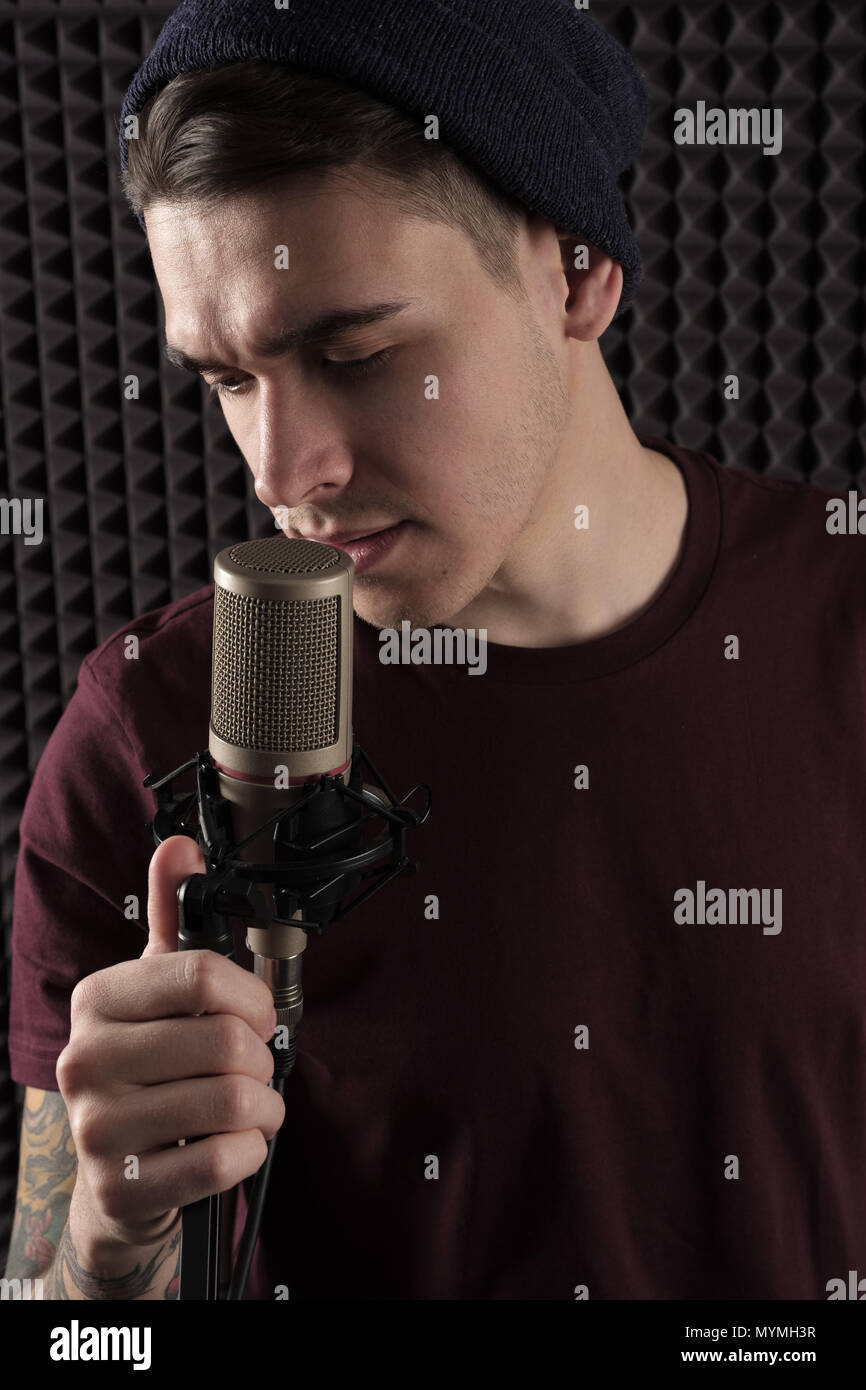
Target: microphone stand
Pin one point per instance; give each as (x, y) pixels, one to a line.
(318, 858)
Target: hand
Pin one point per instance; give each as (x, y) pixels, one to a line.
(164, 1048)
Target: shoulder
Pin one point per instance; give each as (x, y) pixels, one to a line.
(153, 669)
(802, 541)
(141, 705)
(177, 632)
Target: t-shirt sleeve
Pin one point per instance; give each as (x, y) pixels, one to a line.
(80, 893)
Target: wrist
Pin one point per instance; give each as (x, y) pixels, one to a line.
(100, 1243)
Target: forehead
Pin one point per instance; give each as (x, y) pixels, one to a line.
(296, 247)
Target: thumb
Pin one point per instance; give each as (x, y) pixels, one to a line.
(173, 861)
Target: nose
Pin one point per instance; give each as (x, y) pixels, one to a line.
(299, 453)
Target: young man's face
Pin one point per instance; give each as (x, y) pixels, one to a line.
(454, 435)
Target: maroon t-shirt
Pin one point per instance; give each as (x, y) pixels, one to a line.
(566, 1079)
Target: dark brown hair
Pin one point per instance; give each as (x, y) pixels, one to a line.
(229, 130)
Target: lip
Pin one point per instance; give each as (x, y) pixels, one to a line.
(368, 550)
(344, 537)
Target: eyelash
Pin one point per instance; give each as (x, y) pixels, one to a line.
(361, 367)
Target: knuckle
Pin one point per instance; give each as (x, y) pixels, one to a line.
(197, 970)
(220, 1170)
(237, 1102)
(232, 1041)
(81, 1000)
(112, 1198)
(266, 1004)
(261, 1147)
(71, 1070)
(88, 1132)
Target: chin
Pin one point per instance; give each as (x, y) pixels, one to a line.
(381, 611)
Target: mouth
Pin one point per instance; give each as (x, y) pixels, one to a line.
(341, 538)
(370, 549)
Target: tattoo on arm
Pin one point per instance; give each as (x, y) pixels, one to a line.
(46, 1177)
(40, 1240)
(137, 1283)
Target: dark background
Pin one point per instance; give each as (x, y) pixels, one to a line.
(753, 265)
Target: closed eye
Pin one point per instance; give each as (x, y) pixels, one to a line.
(360, 367)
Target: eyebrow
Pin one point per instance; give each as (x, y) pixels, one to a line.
(322, 329)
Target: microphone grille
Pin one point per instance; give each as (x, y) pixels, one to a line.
(286, 651)
(276, 556)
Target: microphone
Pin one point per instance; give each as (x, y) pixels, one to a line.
(281, 717)
(280, 801)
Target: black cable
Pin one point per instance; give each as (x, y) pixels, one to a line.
(240, 1273)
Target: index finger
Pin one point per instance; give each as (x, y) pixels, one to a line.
(179, 984)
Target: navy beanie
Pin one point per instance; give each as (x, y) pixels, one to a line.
(534, 92)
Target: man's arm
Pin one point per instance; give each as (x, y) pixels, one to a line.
(42, 1246)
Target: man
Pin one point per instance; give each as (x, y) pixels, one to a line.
(608, 1043)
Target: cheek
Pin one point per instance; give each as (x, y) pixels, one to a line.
(243, 432)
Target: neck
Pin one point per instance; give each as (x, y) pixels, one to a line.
(561, 585)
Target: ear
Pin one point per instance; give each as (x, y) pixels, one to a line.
(594, 283)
